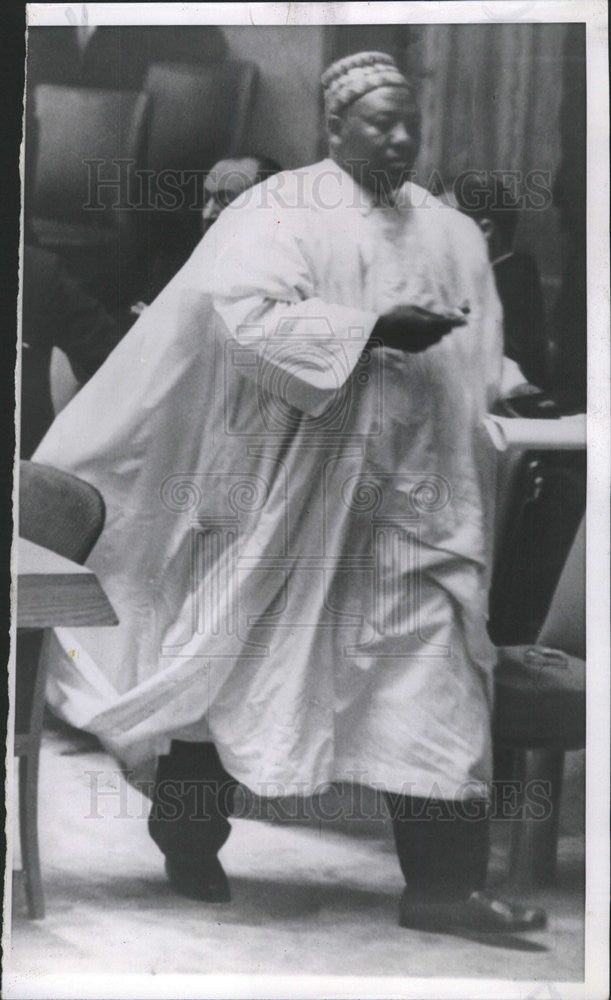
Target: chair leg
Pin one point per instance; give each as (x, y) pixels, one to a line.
(28, 833)
(534, 843)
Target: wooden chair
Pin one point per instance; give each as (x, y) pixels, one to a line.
(541, 760)
(64, 514)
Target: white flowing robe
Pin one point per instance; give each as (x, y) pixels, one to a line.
(298, 530)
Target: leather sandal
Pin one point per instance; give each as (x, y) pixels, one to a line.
(481, 913)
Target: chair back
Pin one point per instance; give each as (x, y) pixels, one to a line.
(59, 511)
(77, 126)
(64, 514)
(119, 55)
(199, 114)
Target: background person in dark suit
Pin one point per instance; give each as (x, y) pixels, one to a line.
(496, 211)
(228, 179)
(56, 313)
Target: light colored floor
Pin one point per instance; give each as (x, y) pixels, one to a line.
(308, 898)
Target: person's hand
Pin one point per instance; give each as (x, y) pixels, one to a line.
(414, 329)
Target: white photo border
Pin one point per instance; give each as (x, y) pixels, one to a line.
(594, 14)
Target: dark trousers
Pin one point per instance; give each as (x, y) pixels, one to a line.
(442, 846)
(192, 798)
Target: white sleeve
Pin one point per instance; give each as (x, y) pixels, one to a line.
(264, 292)
(512, 377)
(492, 335)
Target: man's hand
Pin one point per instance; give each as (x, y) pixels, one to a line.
(413, 329)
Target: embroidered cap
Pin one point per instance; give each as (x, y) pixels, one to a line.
(348, 79)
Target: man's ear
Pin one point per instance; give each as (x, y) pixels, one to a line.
(335, 127)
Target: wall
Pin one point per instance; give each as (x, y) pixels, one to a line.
(345, 39)
(286, 119)
(490, 97)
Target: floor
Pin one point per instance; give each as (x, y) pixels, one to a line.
(309, 897)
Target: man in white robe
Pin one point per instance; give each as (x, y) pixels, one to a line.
(298, 487)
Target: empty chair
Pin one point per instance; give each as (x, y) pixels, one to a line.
(539, 723)
(199, 114)
(88, 145)
(59, 511)
(64, 514)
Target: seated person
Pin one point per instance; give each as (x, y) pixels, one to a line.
(225, 181)
(56, 313)
(492, 206)
(229, 178)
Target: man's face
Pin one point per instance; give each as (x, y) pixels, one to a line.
(382, 131)
(225, 182)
